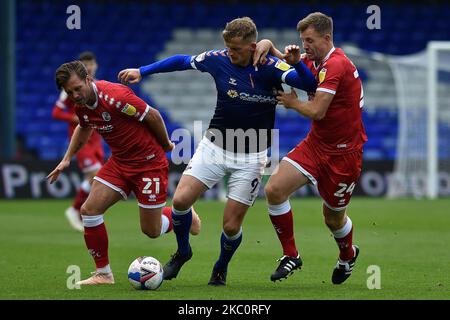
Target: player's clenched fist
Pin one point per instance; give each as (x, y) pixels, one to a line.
(129, 76)
(53, 176)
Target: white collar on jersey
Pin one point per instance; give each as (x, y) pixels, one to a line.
(326, 57)
(96, 98)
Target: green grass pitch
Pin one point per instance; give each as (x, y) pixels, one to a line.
(409, 240)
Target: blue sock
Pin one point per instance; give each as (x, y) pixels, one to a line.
(228, 246)
(182, 221)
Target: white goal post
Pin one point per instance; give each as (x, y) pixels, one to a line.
(423, 93)
(417, 88)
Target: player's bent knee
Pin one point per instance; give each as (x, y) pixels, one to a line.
(151, 233)
(181, 202)
(274, 193)
(88, 210)
(231, 229)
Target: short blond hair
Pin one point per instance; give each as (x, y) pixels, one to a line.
(320, 22)
(243, 28)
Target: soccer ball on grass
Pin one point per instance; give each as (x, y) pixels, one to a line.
(145, 273)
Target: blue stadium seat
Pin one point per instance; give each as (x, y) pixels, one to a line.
(137, 41)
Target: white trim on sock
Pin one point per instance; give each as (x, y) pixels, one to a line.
(105, 269)
(180, 213)
(85, 186)
(232, 238)
(165, 223)
(92, 221)
(345, 230)
(279, 209)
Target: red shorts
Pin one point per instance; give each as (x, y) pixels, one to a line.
(90, 159)
(335, 175)
(148, 184)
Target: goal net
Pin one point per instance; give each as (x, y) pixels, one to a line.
(423, 148)
(417, 87)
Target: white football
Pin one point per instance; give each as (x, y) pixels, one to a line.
(145, 273)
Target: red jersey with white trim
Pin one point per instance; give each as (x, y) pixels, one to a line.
(117, 116)
(65, 110)
(341, 130)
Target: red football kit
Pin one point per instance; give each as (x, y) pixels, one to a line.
(138, 163)
(91, 156)
(331, 154)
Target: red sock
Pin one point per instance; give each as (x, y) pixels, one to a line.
(284, 226)
(345, 246)
(80, 198)
(167, 211)
(96, 239)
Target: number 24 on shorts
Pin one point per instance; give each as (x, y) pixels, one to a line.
(155, 183)
(344, 188)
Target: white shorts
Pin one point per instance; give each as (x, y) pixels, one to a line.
(211, 163)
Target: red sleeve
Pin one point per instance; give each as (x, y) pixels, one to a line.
(330, 76)
(60, 114)
(133, 106)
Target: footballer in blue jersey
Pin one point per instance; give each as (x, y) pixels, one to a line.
(236, 141)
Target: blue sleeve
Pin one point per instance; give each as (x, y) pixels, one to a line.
(301, 78)
(208, 61)
(175, 63)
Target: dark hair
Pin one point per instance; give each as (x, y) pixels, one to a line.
(244, 28)
(86, 56)
(66, 70)
(320, 22)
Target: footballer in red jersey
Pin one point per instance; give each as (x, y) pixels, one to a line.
(331, 155)
(91, 157)
(138, 139)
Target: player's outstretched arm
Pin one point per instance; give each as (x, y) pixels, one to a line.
(301, 78)
(175, 63)
(156, 125)
(79, 138)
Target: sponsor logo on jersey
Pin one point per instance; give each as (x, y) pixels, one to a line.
(106, 116)
(322, 74)
(283, 66)
(257, 98)
(232, 93)
(252, 98)
(103, 129)
(129, 110)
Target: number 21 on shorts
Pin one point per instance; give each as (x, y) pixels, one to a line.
(152, 186)
(344, 188)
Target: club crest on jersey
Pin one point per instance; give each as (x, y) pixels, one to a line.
(106, 116)
(322, 74)
(232, 93)
(129, 110)
(283, 66)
